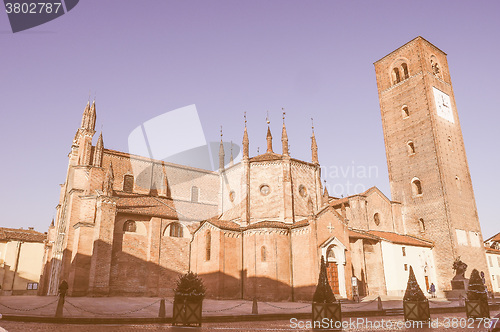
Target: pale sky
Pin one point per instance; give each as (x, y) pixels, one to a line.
(314, 58)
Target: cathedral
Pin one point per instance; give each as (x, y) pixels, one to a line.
(130, 225)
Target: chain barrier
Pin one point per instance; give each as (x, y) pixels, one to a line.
(360, 305)
(282, 308)
(112, 314)
(438, 303)
(30, 309)
(231, 308)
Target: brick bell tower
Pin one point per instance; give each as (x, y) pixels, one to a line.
(428, 170)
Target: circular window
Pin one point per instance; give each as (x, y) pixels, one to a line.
(376, 218)
(231, 196)
(265, 190)
(302, 191)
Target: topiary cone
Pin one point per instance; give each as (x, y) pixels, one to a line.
(323, 293)
(413, 291)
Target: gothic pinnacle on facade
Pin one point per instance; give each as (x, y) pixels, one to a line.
(245, 140)
(98, 152)
(221, 151)
(89, 117)
(231, 159)
(284, 138)
(269, 138)
(85, 115)
(314, 147)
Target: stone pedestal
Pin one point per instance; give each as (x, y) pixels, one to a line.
(458, 289)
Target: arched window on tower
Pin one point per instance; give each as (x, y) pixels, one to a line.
(411, 147)
(263, 254)
(406, 74)
(208, 245)
(128, 183)
(195, 193)
(395, 76)
(421, 225)
(416, 187)
(176, 230)
(405, 112)
(459, 184)
(129, 226)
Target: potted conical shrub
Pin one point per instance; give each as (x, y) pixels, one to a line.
(476, 304)
(188, 300)
(415, 304)
(325, 308)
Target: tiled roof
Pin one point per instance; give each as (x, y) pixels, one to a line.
(16, 234)
(267, 156)
(494, 238)
(163, 207)
(359, 234)
(402, 239)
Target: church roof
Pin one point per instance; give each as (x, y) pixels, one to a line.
(16, 234)
(162, 207)
(359, 234)
(494, 238)
(402, 239)
(267, 156)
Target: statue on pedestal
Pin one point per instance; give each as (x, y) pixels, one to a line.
(459, 282)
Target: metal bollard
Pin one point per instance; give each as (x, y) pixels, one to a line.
(379, 304)
(255, 308)
(60, 307)
(161, 313)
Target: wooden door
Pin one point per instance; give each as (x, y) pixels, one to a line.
(333, 276)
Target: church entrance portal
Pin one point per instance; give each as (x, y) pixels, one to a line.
(333, 276)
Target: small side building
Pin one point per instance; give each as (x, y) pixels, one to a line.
(492, 246)
(21, 259)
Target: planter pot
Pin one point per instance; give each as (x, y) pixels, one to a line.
(187, 313)
(416, 310)
(331, 311)
(477, 309)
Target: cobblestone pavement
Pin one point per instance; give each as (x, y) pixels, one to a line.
(443, 322)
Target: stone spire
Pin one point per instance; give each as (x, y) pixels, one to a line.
(108, 181)
(326, 195)
(98, 152)
(231, 159)
(85, 116)
(284, 137)
(89, 116)
(314, 146)
(269, 137)
(52, 223)
(221, 151)
(245, 140)
(92, 116)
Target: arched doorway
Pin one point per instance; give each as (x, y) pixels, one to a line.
(334, 253)
(332, 271)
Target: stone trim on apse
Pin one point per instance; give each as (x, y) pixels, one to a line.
(265, 163)
(260, 231)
